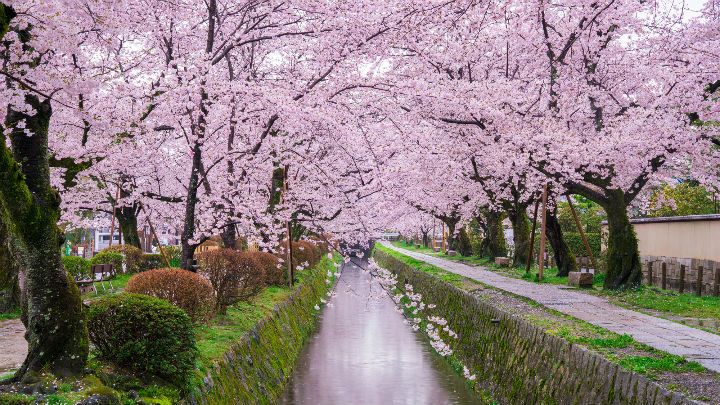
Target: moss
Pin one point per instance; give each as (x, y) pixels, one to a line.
(249, 354)
(15, 399)
(547, 354)
(623, 255)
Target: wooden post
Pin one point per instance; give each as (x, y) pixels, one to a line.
(112, 222)
(528, 264)
(716, 287)
(650, 273)
(582, 232)
(700, 280)
(663, 276)
(681, 288)
(543, 227)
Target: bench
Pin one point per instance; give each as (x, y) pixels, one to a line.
(98, 273)
(502, 261)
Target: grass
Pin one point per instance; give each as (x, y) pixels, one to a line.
(452, 278)
(666, 363)
(10, 315)
(621, 349)
(105, 288)
(216, 338)
(668, 302)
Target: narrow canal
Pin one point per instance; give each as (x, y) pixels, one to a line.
(365, 354)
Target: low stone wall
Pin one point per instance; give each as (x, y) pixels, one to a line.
(519, 363)
(677, 280)
(256, 369)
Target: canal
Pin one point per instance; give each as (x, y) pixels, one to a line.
(365, 354)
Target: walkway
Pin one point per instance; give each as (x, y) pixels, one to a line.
(13, 344)
(364, 353)
(671, 337)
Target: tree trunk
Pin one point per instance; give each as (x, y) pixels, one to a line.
(564, 259)
(29, 236)
(464, 245)
(229, 236)
(426, 239)
(127, 219)
(493, 244)
(521, 235)
(623, 256)
(452, 239)
(188, 249)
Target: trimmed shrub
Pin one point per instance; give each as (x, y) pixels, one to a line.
(305, 253)
(114, 258)
(184, 289)
(145, 334)
(132, 257)
(152, 261)
(235, 276)
(275, 272)
(76, 266)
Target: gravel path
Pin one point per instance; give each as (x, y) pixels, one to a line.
(13, 346)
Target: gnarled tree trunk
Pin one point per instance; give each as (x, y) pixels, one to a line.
(127, 219)
(564, 259)
(29, 237)
(623, 255)
(521, 234)
(493, 244)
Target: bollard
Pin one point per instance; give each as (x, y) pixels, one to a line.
(700, 281)
(681, 288)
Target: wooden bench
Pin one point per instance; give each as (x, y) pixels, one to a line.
(98, 273)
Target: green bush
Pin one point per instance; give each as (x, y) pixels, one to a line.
(76, 266)
(132, 257)
(575, 244)
(145, 334)
(174, 254)
(152, 261)
(114, 258)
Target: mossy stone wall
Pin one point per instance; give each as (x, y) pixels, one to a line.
(518, 362)
(256, 369)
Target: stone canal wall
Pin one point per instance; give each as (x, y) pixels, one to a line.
(518, 362)
(257, 367)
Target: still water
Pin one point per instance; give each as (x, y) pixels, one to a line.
(364, 354)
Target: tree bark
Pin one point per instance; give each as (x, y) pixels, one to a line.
(452, 241)
(521, 234)
(229, 236)
(127, 219)
(464, 245)
(623, 255)
(425, 238)
(29, 236)
(564, 259)
(188, 249)
(493, 244)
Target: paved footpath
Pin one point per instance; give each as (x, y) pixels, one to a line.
(671, 337)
